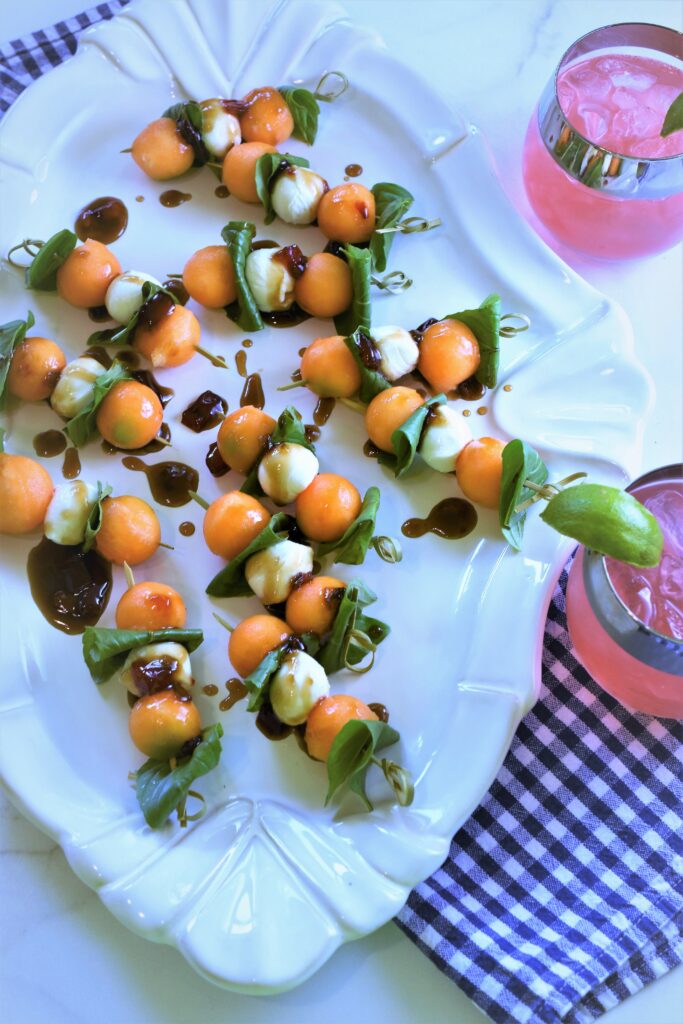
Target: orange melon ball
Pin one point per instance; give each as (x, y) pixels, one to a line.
(328, 718)
(479, 470)
(209, 277)
(25, 493)
(242, 437)
(329, 369)
(232, 522)
(160, 724)
(130, 415)
(151, 606)
(170, 342)
(252, 639)
(327, 507)
(387, 412)
(161, 152)
(86, 273)
(267, 117)
(35, 369)
(130, 531)
(325, 288)
(239, 170)
(346, 213)
(449, 354)
(313, 607)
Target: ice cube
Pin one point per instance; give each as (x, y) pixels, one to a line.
(592, 120)
(636, 81)
(642, 123)
(667, 508)
(590, 83)
(660, 97)
(625, 100)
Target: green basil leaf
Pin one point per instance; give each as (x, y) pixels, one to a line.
(607, 520)
(350, 615)
(105, 650)
(238, 236)
(359, 312)
(190, 121)
(485, 326)
(41, 275)
(11, 336)
(123, 335)
(230, 581)
(83, 426)
(304, 109)
(160, 789)
(406, 439)
(258, 683)
(520, 462)
(290, 429)
(94, 523)
(371, 381)
(352, 546)
(392, 202)
(673, 122)
(350, 754)
(267, 167)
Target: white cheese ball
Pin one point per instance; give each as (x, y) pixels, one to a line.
(169, 652)
(124, 294)
(75, 386)
(297, 686)
(296, 194)
(270, 573)
(220, 130)
(398, 350)
(287, 470)
(444, 437)
(68, 511)
(270, 282)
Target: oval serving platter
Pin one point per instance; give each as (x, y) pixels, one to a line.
(258, 893)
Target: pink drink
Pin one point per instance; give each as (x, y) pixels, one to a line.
(654, 596)
(618, 103)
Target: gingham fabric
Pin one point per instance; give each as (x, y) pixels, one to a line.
(563, 894)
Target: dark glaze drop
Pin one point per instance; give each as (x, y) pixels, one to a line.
(369, 353)
(186, 529)
(471, 390)
(214, 461)
(129, 358)
(163, 394)
(296, 375)
(100, 355)
(353, 170)
(241, 362)
(507, 387)
(381, 711)
(252, 392)
(207, 411)
(323, 410)
(49, 443)
(264, 243)
(176, 287)
(210, 689)
(221, 192)
(71, 467)
(99, 314)
(416, 334)
(481, 411)
(169, 482)
(173, 197)
(286, 317)
(139, 199)
(336, 249)
(70, 587)
(155, 310)
(104, 219)
(312, 433)
(236, 691)
(451, 518)
(292, 259)
(247, 343)
(302, 350)
(154, 675)
(270, 725)
(370, 450)
(235, 107)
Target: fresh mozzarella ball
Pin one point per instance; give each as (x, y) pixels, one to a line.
(296, 194)
(297, 686)
(158, 659)
(444, 437)
(220, 130)
(270, 282)
(124, 294)
(75, 386)
(270, 573)
(287, 470)
(68, 512)
(398, 350)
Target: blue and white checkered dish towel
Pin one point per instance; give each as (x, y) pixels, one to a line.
(563, 893)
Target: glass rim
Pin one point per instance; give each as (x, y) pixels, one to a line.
(672, 472)
(594, 31)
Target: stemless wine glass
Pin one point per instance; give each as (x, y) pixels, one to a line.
(626, 623)
(596, 169)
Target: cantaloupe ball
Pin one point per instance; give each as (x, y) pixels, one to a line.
(479, 470)
(25, 493)
(325, 288)
(327, 507)
(347, 213)
(170, 342)
(86, 273)
(232, 522)
(161, 152)
(313, 607)
(387, 412)
(267, 117)
(130, 415)
(329, 369)
(35, 369)
(160, 724)
(242, 437)
(150, 605)
(130, 531)
(239, 170)
(252, 639)
(449, 354)
(329, 717)
(209, 277)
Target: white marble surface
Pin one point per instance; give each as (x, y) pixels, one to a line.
(62, 957)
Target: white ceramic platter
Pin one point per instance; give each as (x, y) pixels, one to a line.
(264, 888)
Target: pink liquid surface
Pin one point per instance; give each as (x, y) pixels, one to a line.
(654, 595)
(619, 103)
